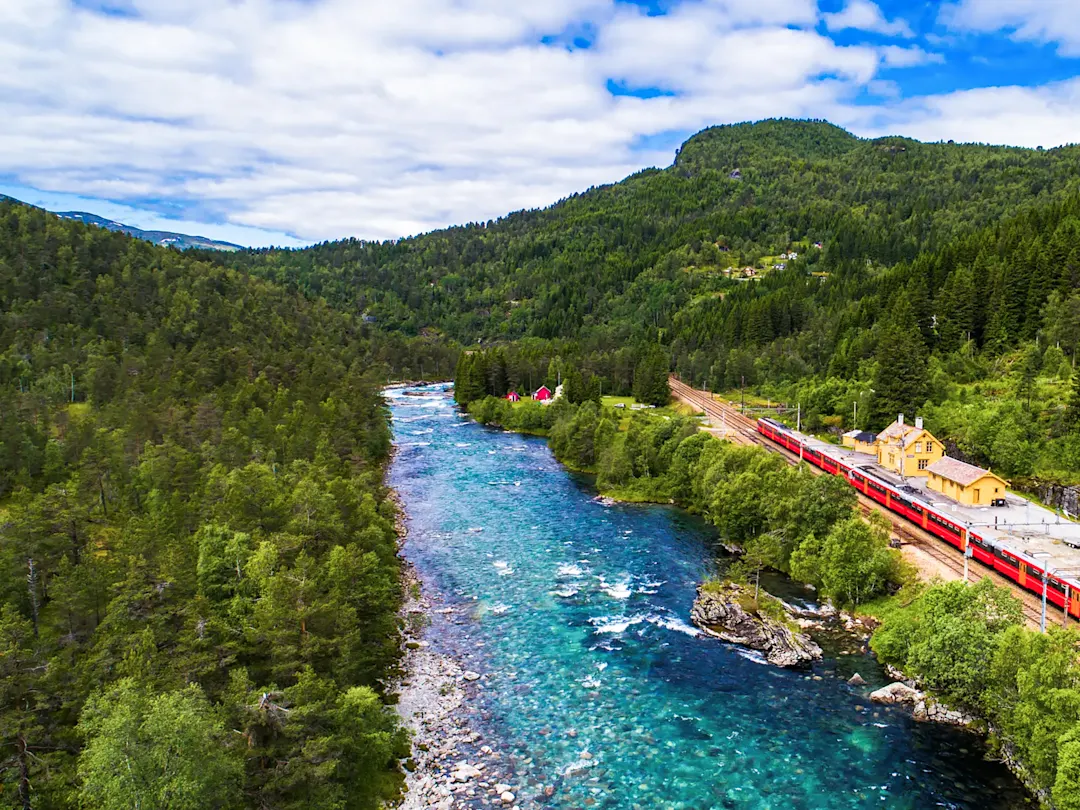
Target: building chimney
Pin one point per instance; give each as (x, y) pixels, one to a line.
(918, 423)
(900, 419)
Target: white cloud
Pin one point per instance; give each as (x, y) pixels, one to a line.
(865, 15)
(897, 57)
(1020, 116)
(329, 118)
(1040, 21)
(336, 117)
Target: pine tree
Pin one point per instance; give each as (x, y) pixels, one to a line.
(955, 310)
(498, 381)
(470, 379)
(901, 381)
(1029, 364)
(651, 379)
(1072, 413)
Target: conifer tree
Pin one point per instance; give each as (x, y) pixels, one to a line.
(901, 381)
(1072, 414)
(470, 379)
(651, 379)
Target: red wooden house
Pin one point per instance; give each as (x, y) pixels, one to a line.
(543, 394)
(514, 396)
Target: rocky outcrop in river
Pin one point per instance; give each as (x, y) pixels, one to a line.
(923, 706)
(729, 612)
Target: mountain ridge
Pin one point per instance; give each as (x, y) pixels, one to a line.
(180, 241)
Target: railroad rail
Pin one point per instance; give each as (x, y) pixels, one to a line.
(743, 430)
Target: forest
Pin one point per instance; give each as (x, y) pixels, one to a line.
(198, 574)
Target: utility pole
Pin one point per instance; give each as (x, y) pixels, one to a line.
(855, 415)
(1042, 619)
(798, 417)
(967, 556)
(742, 392)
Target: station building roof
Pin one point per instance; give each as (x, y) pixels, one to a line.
(959, 471)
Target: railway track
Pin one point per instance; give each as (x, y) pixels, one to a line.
(743, 427)
(743, 430)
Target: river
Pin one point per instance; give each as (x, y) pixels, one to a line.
(576, 612)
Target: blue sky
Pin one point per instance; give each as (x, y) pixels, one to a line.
(286, 122)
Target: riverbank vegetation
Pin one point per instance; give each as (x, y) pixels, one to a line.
(968, 644)
(198, 580)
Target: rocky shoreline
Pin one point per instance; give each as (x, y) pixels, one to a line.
(725, 611)
(923, 706)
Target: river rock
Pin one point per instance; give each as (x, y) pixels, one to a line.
(722, 612)
(856, 680)
(896, 693)
(897, 675)
(464, 772)
(471, 676)
(930, 711)
(507, 797)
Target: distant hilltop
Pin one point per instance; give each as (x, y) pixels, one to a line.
(166, 238)
(181, 241)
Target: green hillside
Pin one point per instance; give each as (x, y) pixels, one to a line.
(625, 259)
(198, 572)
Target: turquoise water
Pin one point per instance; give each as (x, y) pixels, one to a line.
(576, 613)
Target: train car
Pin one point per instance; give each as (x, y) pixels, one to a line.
(981, 550)
(991, 553)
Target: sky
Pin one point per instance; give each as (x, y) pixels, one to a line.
(289, 122)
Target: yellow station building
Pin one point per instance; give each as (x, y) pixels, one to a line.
(965, 483)
(908, 450)
(861, 441)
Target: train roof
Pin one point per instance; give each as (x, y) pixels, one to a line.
(1025, 529)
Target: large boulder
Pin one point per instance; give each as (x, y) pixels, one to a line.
(730, 613)
(896, 693)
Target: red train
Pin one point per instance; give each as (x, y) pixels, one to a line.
(908, 502)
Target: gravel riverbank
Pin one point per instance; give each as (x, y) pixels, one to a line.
(451, 766)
